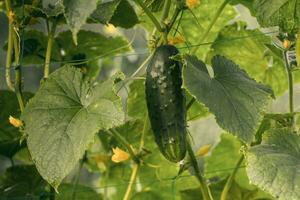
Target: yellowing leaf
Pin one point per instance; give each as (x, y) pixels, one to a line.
(192, 3)
(203, 150)
(15, 122)
(176, 40)
(119, 155)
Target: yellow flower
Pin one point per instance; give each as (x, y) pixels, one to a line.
(192, 3)
(202, 151)
(110, 29)
(286, 44)
(15, 122)
(176, 40)
(119, 155)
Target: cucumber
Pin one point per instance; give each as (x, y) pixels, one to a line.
(166, 103)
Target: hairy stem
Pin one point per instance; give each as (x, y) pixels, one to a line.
(212, 22)
(203, 185)
(231, 178)
(291, 87)
(126, 144)
(49, 49)
(150, 15)
(9, 83)
(133, 176)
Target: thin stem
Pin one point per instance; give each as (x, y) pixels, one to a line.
(150, 15)
(133, 176)
(298, 49)
(231, 178)
(9, 83)
(165, 13)
(189, 105)
(49, 49)
(212, 22)
(145, 128)
(18, 73)
(125, 143)
(291, 87)
(203, 185)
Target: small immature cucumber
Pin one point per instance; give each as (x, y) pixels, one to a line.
(166, 103)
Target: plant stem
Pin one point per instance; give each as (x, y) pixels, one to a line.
(9, 48)
(145, 128)
(291, 87)
(18, 72)
(189, 105)
(133, 176)
(212, 22)
(126, 144)
(231, 178)
(203, 185)
(49, 49)
(165, 13)
(150, 15)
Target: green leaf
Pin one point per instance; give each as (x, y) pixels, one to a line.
(117, 12)
(274, 165)
(9, 135)
(77, 12)
(81, 193)
(53, 7)
(249, 52)
(282, 13)
(21, 182)
(62, 118)
(136, 104)
(237, 101)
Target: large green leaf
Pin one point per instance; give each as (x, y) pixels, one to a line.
(21, 182)
(237, 101)
(249, 52)
(282, 13)
(77, 12)
(9, 135)
(62, 118)
(274, 165)
(117, 12)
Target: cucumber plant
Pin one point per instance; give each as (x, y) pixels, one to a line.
(212, 111)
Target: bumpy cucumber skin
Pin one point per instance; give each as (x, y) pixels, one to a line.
(166, 103)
